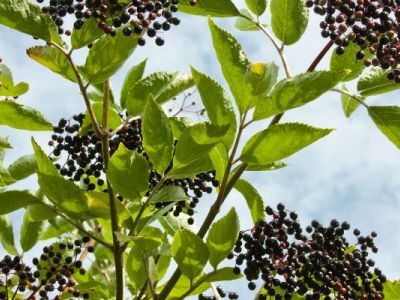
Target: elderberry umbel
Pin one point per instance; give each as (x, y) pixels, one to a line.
(373, 25)
(80, 159)
(221, 294)
(318, 262)
(135, 17)
(50, 277)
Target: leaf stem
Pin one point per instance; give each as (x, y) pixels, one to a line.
(117, 247)
(82, 88)
(347, 93)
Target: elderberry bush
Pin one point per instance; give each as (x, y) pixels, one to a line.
(51, 275)
(81, 160)
(317, 262)
(137, 17)
(221, 294)
(373, 25)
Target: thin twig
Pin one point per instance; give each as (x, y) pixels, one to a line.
(347, 93)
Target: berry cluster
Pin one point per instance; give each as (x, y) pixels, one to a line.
(136, 16)
(50, 276)
(221, 294)
(373, 25)
(318, 263)
(84, 160)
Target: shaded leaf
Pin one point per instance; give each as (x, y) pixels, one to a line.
(245, 24)
(349, 104)
(257, 7)
(221, 241)
(7, 235)
(135, 268)
(40, 212)
(18, 116)
(23, 167)
(114, 120)
(86, 35)
(170, 194)
(45, 165)
(30, 231)
(57, 228)
(133, 76)
(374, 82)
(223, 274)
(52, 59)
(253, 198)
(220, 8)
(4, 143)
(280, 141)
(289, 20)
(7, 87)
(13, 200)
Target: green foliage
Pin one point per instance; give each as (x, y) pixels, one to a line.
(170, 194)
(52, 59)
(19, 116)
(257, 7)
(23, 167)
(223, 274)
(44, 164)
(7, 86)
(161, 85)
(387, 119)
(190, 253)
(392, 290)
(297, 91)
(243, 23)
(220, 8)
(289, 20)
(217, 104)
(13, 200)
(348, 61)
(7, 235)
(101, 65)
(158, 138)
(86, 35)
(253, 199)
(221, 241)
(114, 120)
(127, 167)
(30, 232)
(349, 104)
(26, 17)
(133, 76)
(4, 143)
(280, 141)
(374, 82)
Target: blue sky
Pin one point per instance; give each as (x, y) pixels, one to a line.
(350, 175)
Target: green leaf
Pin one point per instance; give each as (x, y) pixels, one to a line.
(179, 125)
(245, 24)
(7, 87)
(144, 243)
(197, 141)
(27, 17)
(30, 232)
(189, 252)
(135, 268)
(223, 274)
(387, 119)
(162, 85)
(40, 212)
(13, 200)
(23, 167)
(234, 64)
(220, 241)
(212, 8)
(63, 193)
(5, 177)
(392, 290)
(18, 116)
(349, 104)
(129, 173)
(267, 167)
(280, 141)
(52, 59)
(57, 228)
(158, 139)
(200, 165)
(289, 20)
(262, 77)
(374, 82)
(7, 235)
(45, 165)
(295, 92)
(219, 158)
(170, 194)
(114, 120)
(4, 143)
(86, 35)
(133, 76)
(348, 61)
(99, 206)
(107, 56)
(217, 103)
(253, 199)
(257, 7)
